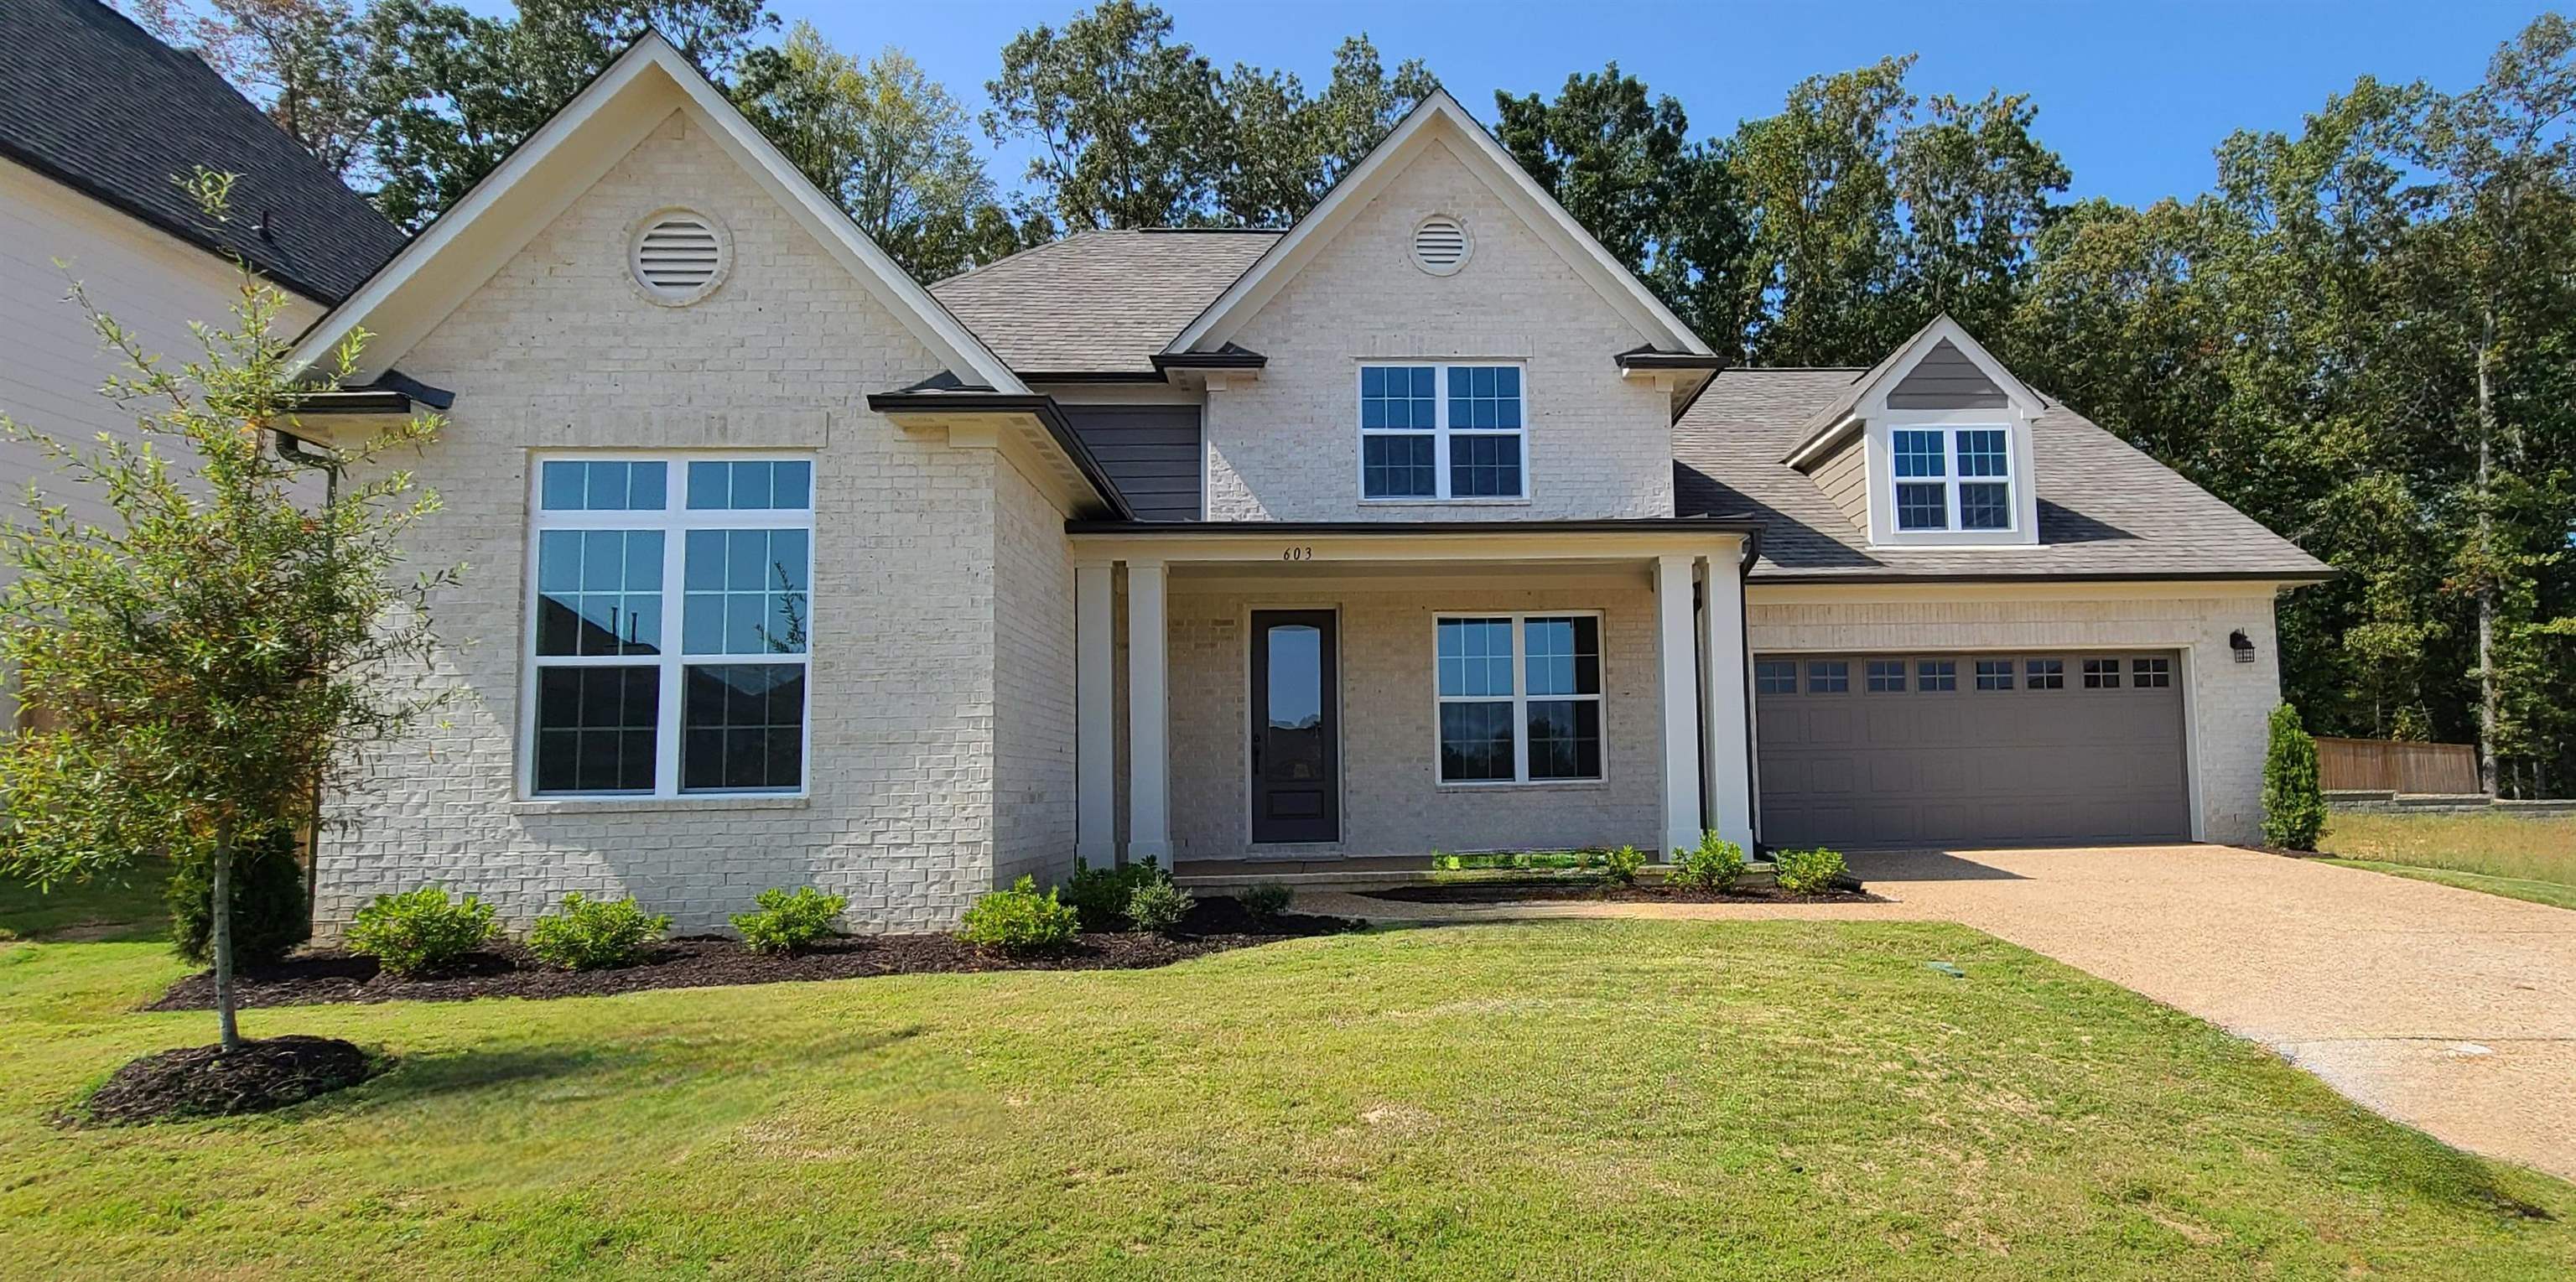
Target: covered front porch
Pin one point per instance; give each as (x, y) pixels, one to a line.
(1272, 693)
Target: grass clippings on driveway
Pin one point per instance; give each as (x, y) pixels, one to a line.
(1615, 1098)
(2529, 857)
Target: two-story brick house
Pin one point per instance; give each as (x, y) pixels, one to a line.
(1421, 524)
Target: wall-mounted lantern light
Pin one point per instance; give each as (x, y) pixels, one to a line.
(2243, 647)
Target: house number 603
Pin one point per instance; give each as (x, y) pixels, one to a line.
(1297, 554)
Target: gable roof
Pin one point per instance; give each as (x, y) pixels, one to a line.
(1439, 116)
(2106, 510)
(91, 101)
(1099, 302)
(1832, 418)
(455, 255)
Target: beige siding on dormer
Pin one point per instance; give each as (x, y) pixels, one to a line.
(1286, 447)
(1844, 477)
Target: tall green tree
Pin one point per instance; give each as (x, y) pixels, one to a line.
(1125, 123)
(1824, 258)
(1284, 149)
(1975, 187)
(193, 669)
(302, 59)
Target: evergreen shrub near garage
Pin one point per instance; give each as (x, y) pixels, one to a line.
(1807, 872)
(1268, 900)
(788, 922)
(594, 934)
(1712, 866)
(1020, 920)
(1159, 906)
(2294, 805)
(269, 914)
(1101, 896)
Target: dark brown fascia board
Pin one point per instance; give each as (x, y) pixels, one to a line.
(1044, 407)
(2301, 577)
(1142, 377)
(1670, 360)
(1232, 358)
(371, 400)
(1748, 527)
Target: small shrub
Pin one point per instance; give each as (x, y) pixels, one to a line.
(269, 916)
(1267, 901)
(1807, 872)
(594, 934)
(420, 932)
(2294, 806)
(1020, 920)
(1100, 895)
(788, 921)
(1622, 864)
(1160, 905)
(1712, 866)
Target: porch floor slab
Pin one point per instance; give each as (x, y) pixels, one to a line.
(2442, 1008)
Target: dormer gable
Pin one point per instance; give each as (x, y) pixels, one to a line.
(1931, 447)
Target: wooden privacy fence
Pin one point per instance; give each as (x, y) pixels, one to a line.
(2383, 765)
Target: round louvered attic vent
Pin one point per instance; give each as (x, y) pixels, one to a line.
(679, 256)
(1440, 245)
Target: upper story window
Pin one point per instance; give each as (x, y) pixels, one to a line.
(1441, 432)
(673, 625)
(1952, 478)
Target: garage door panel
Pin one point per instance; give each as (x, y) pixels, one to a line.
(1970, 765)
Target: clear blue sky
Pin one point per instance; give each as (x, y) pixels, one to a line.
(2133, 95)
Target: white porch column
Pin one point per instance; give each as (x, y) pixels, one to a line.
(1729, 777)
(1677, 650)
(1149, 759)
(1095, 717)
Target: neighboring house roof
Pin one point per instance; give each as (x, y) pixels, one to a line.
(1099, 302)
(2106, 510)
(455, 255)
(91, 101)
(1439, 116)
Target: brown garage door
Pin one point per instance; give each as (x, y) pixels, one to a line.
(1962, 749)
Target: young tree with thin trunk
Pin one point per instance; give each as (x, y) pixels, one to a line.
(191, 670)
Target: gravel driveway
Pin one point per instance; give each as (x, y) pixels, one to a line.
(2446, 1009)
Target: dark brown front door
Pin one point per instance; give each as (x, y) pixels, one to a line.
(1296, 754)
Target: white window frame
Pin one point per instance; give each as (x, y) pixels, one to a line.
(1439, 432)
(1950, 480)
(1521, 697)
(675, 521)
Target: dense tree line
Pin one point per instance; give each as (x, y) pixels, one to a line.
(2362, 334)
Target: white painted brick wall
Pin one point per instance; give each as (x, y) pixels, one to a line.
(2229, 702)
(559, 350)
(1392, 802)
(1286, 447)
(1033, 798)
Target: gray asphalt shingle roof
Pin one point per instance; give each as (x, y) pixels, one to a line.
(90, 100)
(1098, 302)
(2105, 508)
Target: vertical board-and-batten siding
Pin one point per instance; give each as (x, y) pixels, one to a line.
(1151, 452)
(1945, 379)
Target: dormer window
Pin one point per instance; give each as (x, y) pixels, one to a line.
(1441, 433)
(1952, 478)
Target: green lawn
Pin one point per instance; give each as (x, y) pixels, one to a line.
(128, 908)
(1609, 1098)
(2519, 856)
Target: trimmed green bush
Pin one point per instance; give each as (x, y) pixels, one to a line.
(1020, 920)
(1100, 895)
(1267, 900)
(594, 934)
(269, 916)
(1622, 864)
(420, 932)
(1713, 866)
(788, 921)
(1807, 872)
(2294, 806)
(1160, 905)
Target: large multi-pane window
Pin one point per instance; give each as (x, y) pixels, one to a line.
(673, 624)
(1952, 478)
(1519, 698)
(1441, 432)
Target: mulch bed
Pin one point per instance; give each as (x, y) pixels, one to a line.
(707, 961)
(1507, 892)
(205, 1081)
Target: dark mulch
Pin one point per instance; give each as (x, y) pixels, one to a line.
(1512, 892)
(205, 1081)
(1217, 924)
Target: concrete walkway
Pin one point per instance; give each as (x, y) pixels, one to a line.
(2445, 1009)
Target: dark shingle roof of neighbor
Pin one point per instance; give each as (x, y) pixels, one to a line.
(91, 101)
(2105, 508)
(1099, 302)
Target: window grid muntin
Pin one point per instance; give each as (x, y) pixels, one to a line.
(1932, 676)
(1470, 682)
(1775, 676)
(1946, 479)
(2151, 674)
(1828, 676)
(1887, 676)
(1994, 674)
(1471, 460)
(675, 519)
(2101, 674)
(2044, 674)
